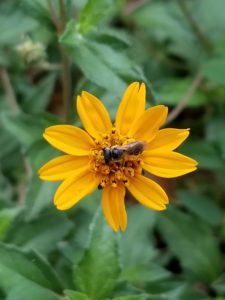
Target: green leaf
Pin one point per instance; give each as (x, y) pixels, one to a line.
(71, 37)
(141, 223)
(39, 96)
(214, 70)
(206, 154)
(4, 60)
(166, 25)
(39, 153)
(73, 295)
(133, 297)
(26, 128)
(94, 12)
(193, 243)
(202, 206)
(158, 16)
(74, 248)
(14, 26)
(6, 189)
(215, 128)
(173, 90)
(38, 9)
(39, 197)
(118, 61)
(213, 23)
(114, 37)
(219, 285)
(101, 63)
(41, 234)
(92, 65)
(215, 131)
(138, 266)
(23, 127)
(98, 270)
(168, 289)
(149, 272)
(8, 145)
(174, 290)
(7, 217)
(25, 276)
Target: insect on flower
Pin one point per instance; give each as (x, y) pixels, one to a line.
(113, 156)
(117, 153)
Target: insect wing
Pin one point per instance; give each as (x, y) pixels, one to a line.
(136, 148)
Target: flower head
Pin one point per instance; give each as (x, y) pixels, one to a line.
(113, 156)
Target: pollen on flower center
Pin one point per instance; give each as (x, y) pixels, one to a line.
(113, 161)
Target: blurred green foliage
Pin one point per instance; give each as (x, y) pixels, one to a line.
(178, 48)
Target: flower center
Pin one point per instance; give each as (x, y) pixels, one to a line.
(116, 158)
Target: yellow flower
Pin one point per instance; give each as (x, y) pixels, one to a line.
(89, 162)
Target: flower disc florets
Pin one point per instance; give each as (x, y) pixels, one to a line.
(118, 170)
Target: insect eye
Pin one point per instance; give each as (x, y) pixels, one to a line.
(107, 155)
(116, 153)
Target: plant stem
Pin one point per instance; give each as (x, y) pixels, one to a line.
(62, 15)
(66, 79)
(10, 94)
(133, 6)
(186, 98)
(195, 27)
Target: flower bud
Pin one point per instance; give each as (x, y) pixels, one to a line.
(31, 52)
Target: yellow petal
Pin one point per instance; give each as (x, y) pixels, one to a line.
(73, 189)
(61, 167)
(146, 127)
(69, 139)
(93, 115)
(113, 206)
(148, 192)
(168, 164)
(168, 139)
(131, 107)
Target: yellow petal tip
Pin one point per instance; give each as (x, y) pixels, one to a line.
(123, 229)
(60, 208)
